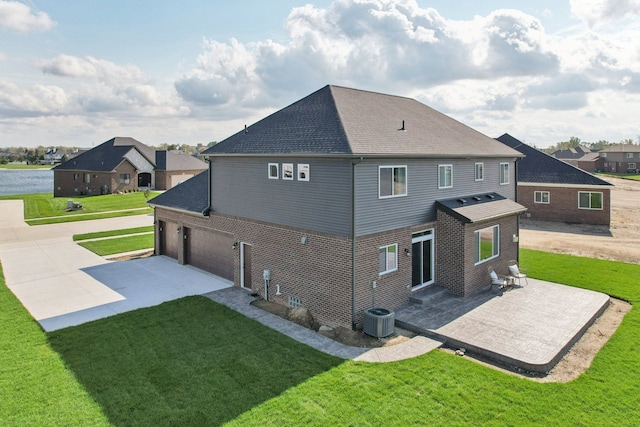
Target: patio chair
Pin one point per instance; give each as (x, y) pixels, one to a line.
(517, 272)
(496, 280)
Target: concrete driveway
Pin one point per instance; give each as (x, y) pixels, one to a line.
(62, 284)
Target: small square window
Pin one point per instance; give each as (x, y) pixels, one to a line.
(274, 171)
(303, 172)
(541, 197)
(445, 176)
(287, 171)
(479, 175)
(388, 259)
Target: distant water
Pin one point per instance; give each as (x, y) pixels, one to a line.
(25, 181)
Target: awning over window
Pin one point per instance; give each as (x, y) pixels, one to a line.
(480, 207)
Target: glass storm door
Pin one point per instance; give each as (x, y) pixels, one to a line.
(422, 259)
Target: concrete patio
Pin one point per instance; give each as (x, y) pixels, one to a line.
(529, 327)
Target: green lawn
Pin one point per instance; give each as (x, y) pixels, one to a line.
(119, 244)
(24, 166)
(111, 233)
(633, 177)
(194, 362)
(46, 209)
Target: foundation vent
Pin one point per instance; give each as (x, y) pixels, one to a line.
(295, 302)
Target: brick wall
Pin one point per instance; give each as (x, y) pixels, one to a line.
(563, 205)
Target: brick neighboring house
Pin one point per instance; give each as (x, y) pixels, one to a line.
(581, 157)
(122, 164)
(350, 199)
(622, 158)
(553, 190)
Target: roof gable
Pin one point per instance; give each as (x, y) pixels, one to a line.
(338, 120)
(540, 167)
(106, 156)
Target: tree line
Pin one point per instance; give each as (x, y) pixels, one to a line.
(574, 142)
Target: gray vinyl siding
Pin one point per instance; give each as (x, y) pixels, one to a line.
(241, 187)
(374, 215)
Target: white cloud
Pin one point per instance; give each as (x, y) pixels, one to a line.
(599, 12)
(366, 43)
(17, 16)
(89, 67)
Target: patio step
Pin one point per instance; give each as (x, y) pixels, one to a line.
(427, 295)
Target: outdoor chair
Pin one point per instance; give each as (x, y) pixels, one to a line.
(498, 280)
(517, 272)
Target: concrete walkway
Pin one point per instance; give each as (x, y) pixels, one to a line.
(62, 284)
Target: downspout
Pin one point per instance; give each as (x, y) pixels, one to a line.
(353, 242)
(518, 224)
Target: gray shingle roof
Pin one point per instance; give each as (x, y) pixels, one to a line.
(622, 148)
(539, 167)
(479, 207)
(166, 160)
(342, 121)
(190, 195)
(106, 156)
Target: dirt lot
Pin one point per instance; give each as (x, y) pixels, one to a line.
(621, 242)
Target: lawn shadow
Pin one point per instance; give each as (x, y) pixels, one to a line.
(186, 362)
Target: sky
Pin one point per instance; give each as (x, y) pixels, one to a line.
(77, 73)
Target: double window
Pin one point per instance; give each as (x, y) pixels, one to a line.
(631, 165)
(388, 259)
(541, 197)
(125, 178)
(504, 173)
(445, 176)
(392, 181)
(629, 155)
(86, 178)
(487, 243)
(590, 200)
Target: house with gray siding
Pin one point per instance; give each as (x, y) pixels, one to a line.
(348, 199)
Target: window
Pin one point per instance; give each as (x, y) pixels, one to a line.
(487, 243)
(125, 178)
(445, 176)
(392, 181)
(589, 200)
(541, 196)
(86, 178)
(479, 171)
(629, 155)
(631, 165)
(287, 171)
(603, 154)
(388, 259)
(274, 172)
(303, 172)
(76, 176)
(504, 173)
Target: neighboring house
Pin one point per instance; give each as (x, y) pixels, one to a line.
(553, 190)
(622, 158)
(581, 157)
(52, 156)
(345, 200)
(122, 164)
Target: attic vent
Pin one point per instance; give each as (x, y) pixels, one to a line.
(463, 201)
(476, 198)
(491, 196)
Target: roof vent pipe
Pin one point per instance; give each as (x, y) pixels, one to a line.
(402, 128)
(245, 129)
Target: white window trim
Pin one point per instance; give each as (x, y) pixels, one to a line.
(535, 198)
(590, 193)
(629, 155)
(284, 168)
(450, 166)
(277, 171)
(496, 243)
(386, 248)
(475, 171)
(303, 167)
(631, 166)
(406, 177)
(506, 182)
